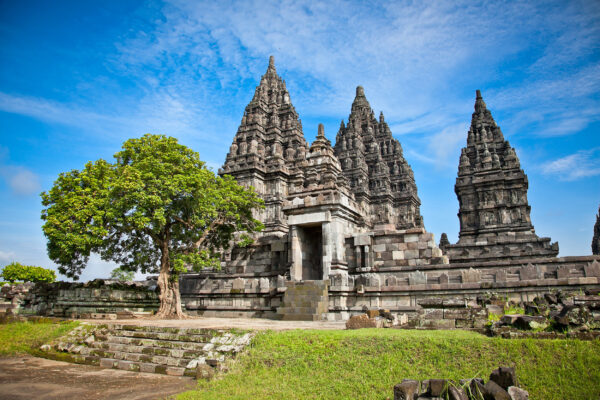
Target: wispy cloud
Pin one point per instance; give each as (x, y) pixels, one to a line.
(582, 164)
(21, 180)
(6, 257)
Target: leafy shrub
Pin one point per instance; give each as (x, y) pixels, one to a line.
(27, 273)
(122, 275)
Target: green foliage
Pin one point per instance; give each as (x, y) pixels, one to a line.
(27, 337)
(367, 363)
(121, 274)
(157, 198)
(27, 273)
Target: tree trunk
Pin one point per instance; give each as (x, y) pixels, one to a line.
(170, 299)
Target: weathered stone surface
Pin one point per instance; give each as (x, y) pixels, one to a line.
(492, 192)
(495, 391)
(363, 321)
(504, 376)
(516, 393)
(406, 390)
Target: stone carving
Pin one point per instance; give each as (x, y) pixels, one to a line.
(373, 162)
(596, 238)
(492, 194)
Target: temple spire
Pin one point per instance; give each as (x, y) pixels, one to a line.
(271, 68)
(479, 103)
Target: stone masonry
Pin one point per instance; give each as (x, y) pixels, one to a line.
(492, 194)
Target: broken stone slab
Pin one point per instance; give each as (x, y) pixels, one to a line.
(363, 321)
(406, 390)
(495, 391)
(516, 393)
(504, 376)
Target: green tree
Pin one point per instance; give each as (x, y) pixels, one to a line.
(121, 274)
(27, 273)
(157, 208)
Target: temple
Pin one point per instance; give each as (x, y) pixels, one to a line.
(344, 233)
(492, 193)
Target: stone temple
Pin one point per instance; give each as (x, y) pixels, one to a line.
(343, 229)
(492, 193)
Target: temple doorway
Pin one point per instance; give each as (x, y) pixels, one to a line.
(311, 243)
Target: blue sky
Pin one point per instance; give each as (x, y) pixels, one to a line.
(77, 78)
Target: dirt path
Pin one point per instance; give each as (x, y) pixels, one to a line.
(29, 377)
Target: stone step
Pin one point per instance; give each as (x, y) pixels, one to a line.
(151, 350)
(166, 344)
(164, 336)
(146, 367)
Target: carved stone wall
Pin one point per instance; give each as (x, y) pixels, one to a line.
(492, 194)
(379, 176)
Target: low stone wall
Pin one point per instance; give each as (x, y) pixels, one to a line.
(74, 300)
(431, 296)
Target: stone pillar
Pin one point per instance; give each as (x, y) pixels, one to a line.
(328, 248)
(295, 254)
(338, 254)
(358, 253)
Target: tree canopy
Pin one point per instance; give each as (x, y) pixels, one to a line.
(156, 208)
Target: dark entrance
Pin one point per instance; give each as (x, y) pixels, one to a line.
(311, 242)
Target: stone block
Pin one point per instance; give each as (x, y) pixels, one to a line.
(379, 248)
(408, 238)
(278, 246)
(407, 390)
(362, 240)
(470, 276)
(239, 284)
(563, 272)
(411, 254)
(417, 278)
(592, 269)
(495, 391)
(516, 393)
(398, 255)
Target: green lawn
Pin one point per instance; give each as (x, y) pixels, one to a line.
(365, 364)
(27, 337)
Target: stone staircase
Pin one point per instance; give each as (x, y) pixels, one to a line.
(162, 350)
(304, 301)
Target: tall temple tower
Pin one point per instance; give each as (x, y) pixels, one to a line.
(379, 176)
(268, 148)
(492, 193)
(596, 238)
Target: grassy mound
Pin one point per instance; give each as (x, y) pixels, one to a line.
(365, 364)
(27, 337)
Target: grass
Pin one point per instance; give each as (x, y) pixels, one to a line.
(26, 337)
(366, 364)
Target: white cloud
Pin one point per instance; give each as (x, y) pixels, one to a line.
(6, 257)
(21, 180)
(583, 164)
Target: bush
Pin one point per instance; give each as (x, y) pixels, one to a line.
(122, 275)
(27, 273)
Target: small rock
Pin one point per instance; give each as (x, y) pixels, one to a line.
(45, 347)
(89, 340)
(495, 391)
(504, 377)
(406, 390)
(516, 393)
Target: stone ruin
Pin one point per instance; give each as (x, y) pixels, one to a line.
(492, 193)
(596, 238)
(502, 385)
(344, 231)
(344, 234)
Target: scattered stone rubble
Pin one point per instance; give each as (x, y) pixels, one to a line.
(375, 319)
(172, 351)
(502, 385)
(551, 316)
